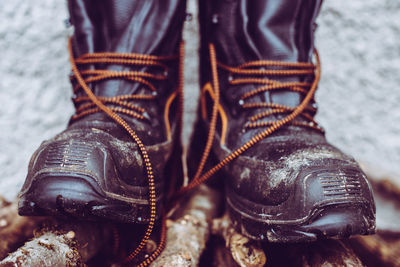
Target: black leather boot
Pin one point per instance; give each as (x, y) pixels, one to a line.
(115, 165)
(283, 181)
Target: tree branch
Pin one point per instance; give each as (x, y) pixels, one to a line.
(188, 233)
(14, 229)
(61, 244)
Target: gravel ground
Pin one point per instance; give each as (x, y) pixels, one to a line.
(358, 96)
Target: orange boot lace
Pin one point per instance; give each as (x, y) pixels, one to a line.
(113, 106)
(252, 69)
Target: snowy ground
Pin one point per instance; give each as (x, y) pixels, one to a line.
(358, 97)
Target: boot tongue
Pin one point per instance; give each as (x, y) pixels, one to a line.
(266, 30)
(125, 26)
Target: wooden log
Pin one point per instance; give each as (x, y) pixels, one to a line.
(382, 249)
(187, 235)
(73, 243)
(61, 244)
(327, 253)
(244, 251)
(316, 254)
(14, 229)
(222, 256)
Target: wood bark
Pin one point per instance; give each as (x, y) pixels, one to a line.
(14, 229)
(187, 235)
(245, 252)
(61, 243)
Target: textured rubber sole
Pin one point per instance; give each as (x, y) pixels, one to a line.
(336, 221)
(73, 197)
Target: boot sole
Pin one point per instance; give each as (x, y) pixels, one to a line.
(66, 196)
(334, 221)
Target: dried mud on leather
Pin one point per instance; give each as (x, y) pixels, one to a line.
(78, 242)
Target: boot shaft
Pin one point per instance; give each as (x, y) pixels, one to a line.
(151, 27)
(244, 31)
